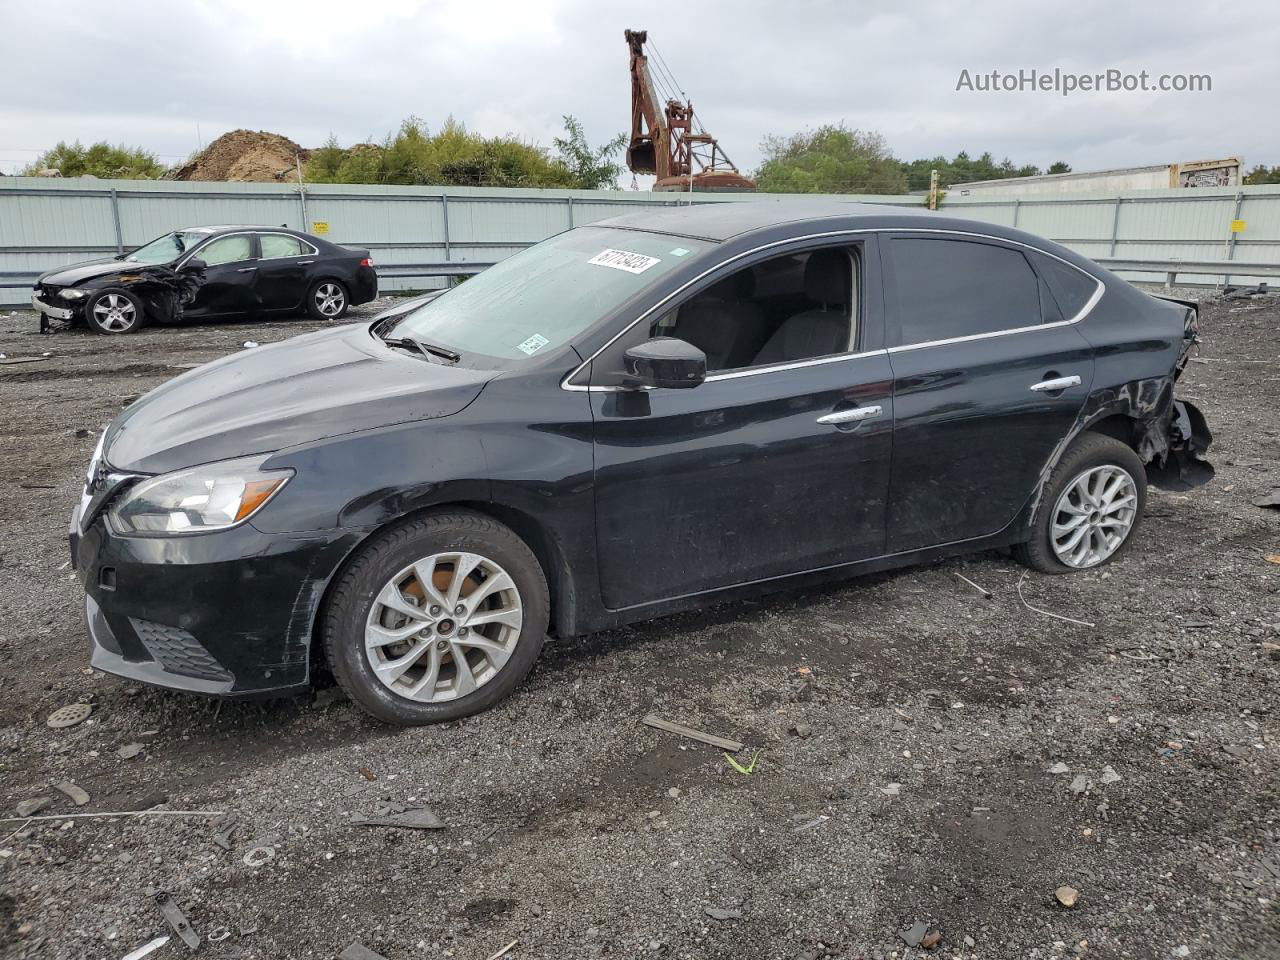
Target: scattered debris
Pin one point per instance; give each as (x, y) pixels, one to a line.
(249, 344)
(123, 813)
(129, 751)
(26, 808)
(982, 590)
(748, 769)
(1109, 775)
(1067, 896)
(815, 822)
(358, 951)
(69, 715)
(655, 721)
(147, 948)
(366, 773)
(416, 818)
(891, 789)
(258, 856)
(801, 729)
(223, 837)
(504, 951)
(177, 919)
(931, 939)
(1270, 501)
(1080, 784)
(718, 913)
(218, 934)
(78, 796)
(1048, 613)
(1272, 558)
(914, 934)
(1059, 767)
(11, 360)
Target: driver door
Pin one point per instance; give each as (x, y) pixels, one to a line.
(761, 471)
(231, 266)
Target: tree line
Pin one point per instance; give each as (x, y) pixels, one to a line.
(830, 159)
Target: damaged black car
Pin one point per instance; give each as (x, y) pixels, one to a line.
(626, 420)
(209, 273)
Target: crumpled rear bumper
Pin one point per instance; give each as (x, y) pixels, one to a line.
(1183, 465)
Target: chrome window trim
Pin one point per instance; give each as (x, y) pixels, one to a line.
(566, 384)
(315, 251)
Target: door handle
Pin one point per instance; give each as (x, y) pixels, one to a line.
(304, 263)
(1057, 383)
(851, 416)
(246, 270)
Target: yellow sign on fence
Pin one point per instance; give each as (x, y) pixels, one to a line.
(321, 227)
(1237, 226)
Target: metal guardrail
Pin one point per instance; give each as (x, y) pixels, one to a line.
(1171, 268)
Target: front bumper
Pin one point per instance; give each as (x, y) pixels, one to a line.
(49, 310)
(227, 613)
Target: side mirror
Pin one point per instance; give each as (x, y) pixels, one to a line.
(194, 265)
(665, 362)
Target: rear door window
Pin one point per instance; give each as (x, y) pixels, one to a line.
(946, 289)
(1071, 288)
(276, 245)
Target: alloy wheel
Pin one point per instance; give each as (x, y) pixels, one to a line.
(330, 299)
(1094, 516)
(443, 627)
(114, 313)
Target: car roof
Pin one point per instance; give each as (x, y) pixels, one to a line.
(233, 227)
(721, 220)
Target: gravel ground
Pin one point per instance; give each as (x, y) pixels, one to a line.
(905, 732)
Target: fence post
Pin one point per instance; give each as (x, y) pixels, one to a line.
(115, 216)
(1017, 205)
(444, 208)
(1115, 227)
(570, 199)
(1231, 234)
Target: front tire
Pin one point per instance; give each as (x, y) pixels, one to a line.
(436, 619)
(328, 300)
(1090, 509)
(114, 312)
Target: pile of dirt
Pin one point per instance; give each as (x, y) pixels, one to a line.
(246, 155)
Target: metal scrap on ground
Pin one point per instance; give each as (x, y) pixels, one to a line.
(148, 948)
(724, 743)
(177, 919)
(358, 951)
(417, 818)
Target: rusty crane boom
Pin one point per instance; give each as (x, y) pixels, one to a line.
(666, 140)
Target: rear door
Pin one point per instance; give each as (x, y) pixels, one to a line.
(764, 470)
(988, 378)
(283, 270)
(231, 267)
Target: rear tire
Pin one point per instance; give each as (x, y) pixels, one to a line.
(395, 622)
(328, 300)
(1090, 508)
(114, 312)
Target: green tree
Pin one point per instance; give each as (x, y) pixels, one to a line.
(830, 159)
(592, 168)
(963, 168)
(1262, 174)
(1059, 166)
(99, 160)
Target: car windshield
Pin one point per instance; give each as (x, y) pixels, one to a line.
(542, 297)
(169, 247)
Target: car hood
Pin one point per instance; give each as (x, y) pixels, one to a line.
(80, 272)
(264, 399)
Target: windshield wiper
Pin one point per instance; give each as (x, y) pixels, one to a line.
(408, 343)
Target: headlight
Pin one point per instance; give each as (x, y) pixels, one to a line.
(71, 293)
(212, 497)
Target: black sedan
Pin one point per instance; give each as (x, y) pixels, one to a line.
(209, 272)
(626, 420)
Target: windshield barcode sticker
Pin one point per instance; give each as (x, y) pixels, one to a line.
(622, 260)
(533, 344)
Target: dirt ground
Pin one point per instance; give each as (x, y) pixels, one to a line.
(905, 731)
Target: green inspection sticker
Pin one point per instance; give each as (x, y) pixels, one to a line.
(679, 252)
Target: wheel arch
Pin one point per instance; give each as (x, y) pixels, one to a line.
(560, 582)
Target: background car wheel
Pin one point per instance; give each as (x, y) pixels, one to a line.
(1091, 507)
(114, 311)
(436, 619)
(328, 300)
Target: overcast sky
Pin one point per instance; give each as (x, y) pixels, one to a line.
(147, 73)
